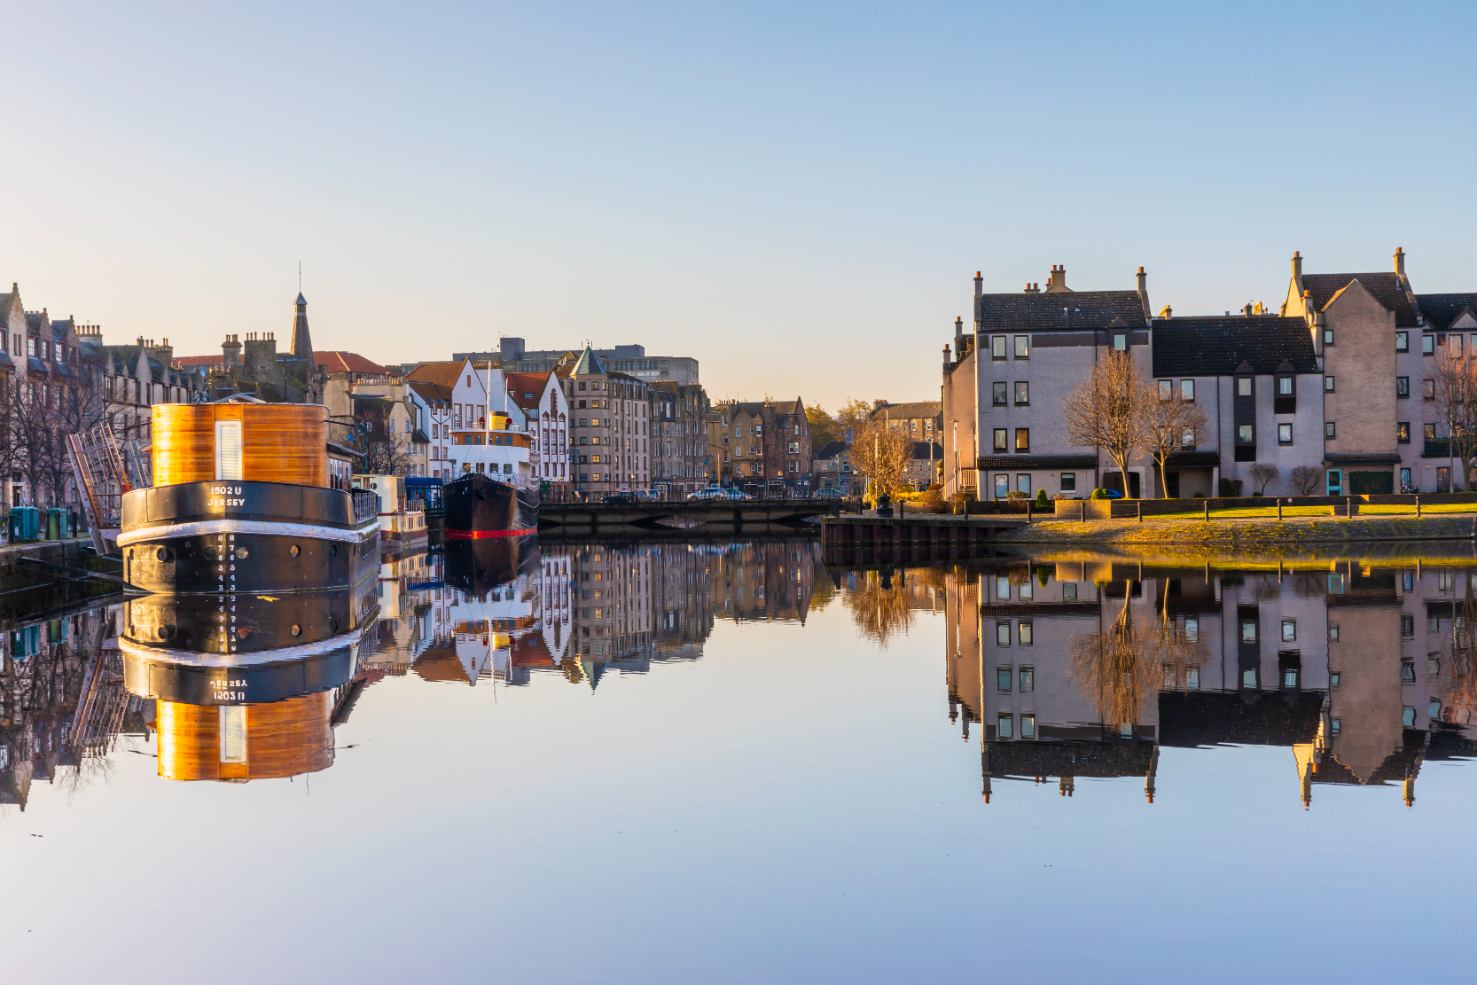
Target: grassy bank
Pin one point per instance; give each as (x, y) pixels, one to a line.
(1227, 534)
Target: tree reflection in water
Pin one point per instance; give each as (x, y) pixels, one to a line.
(1122, 667)
(1460, 699)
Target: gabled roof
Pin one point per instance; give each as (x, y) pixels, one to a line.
(526, 388)
(432, 391)
(588, 364)
(443, 373)
(1217, 346)
(1440, 310)
(339, 361)
(1384, 287)
(1079, 311)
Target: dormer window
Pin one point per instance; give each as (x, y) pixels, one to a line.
(1243, 386)
(1120, 342)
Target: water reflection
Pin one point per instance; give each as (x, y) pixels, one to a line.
(1086, 670)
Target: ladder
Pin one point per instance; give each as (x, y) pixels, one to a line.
(104, 471)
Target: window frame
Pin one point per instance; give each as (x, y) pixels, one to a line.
(1022, 348)
(1001, 438)
(1284, 429)
(997, 347)
(1402, 341)
(1022, 387)
(1402, 388)
(999, 393)
(1330, 431)
(1428, 344)
(1022, 441)
(1402, 432)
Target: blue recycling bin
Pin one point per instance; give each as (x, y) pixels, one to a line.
(25, 522)
(57, 527)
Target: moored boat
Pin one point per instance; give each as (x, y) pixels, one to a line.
(243, 502)
(496, 495)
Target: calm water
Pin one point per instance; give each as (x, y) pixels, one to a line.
(726, 762)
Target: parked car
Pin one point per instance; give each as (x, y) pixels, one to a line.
(828, 493)
(1112, 494)
(708, 493)
(619, 499)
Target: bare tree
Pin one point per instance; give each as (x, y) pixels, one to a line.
(1262, 473)
(1455, 407)
(1115, 668)
(1105, 410)
(882, 454)
(1307, 478)
(1166, 425)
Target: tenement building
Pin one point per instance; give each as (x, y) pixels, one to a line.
(1341, 385)
(513, 357)
(609, 426)
(762, 447)
(679, 437)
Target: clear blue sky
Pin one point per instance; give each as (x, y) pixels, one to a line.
(797, 195)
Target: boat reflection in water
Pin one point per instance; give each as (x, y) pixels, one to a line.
(1363, 670)
(264, 709)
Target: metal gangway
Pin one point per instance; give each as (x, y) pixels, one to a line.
(105, 470)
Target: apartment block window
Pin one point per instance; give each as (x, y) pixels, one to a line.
(1023, 347)
(1284, 434)
(1069, 482)
(1166, 389)
(1022, 394)
(1023, 633)
(1028, 726)
(1328, 384)
(1120, 342)
(1335, 726)
(1402, 387)
(1187, 440)
(1402, 432)
(1284, 386)
(1333, 679)
(1192, 629)
(1069, 591)
(1428, 345)
(1248, 630)
(1022, 440)
(1002, 678)
(1330, 429)
(1429, 431)
(1002, 442)
(1407, 628)
(1187, 390)
(1407, 672)
(997, 347)
(1023, 483)
(1028, 679)
(1328, 336)
(1454, 342)
(1433, 667)
(1248, 679)
(1402, 342)
(1002, 486)
(997, 394)
(1243, 386)
(1289, 630)
(1002, 588)
(1002, 638)
(1246, 434)
(1428, 389)
(1290, 678)
(1192, 678)
(1004, 727)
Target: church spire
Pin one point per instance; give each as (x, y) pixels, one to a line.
(302, 343)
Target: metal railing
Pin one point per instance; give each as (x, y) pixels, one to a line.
(366, 505)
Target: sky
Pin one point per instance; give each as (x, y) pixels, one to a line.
(797, 195)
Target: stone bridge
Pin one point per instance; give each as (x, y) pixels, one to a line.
(756, 515)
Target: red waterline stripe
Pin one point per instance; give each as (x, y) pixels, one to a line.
(480, 534)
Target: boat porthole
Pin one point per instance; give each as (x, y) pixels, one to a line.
(297, 630)
(165, 632)
(162, 554)
(294, 550)
(333, 550)
(241, 553)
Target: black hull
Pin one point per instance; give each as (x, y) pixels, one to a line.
(247, 537)
(479, 507)
(479, 566)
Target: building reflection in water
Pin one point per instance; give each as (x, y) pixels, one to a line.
(1087, 670)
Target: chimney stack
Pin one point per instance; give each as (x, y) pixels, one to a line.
(1167, 313)
(164, 352)
(1297, 264)
(1058, 284)
(231, 352)
(979, 284)
(1247, 310)
(1399, 262)
(959, 337)
(1143, 281)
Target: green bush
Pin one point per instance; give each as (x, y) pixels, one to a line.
(1230, 488)
(1041, 497)
(1099, 494)
(1256, 495)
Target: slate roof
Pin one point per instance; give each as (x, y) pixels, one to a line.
(901, 412)
(1079, 311)
(1216, 346)
(1385, 287)
(921, 449)
(432, 392)
(831, 449)
(1440, 310)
